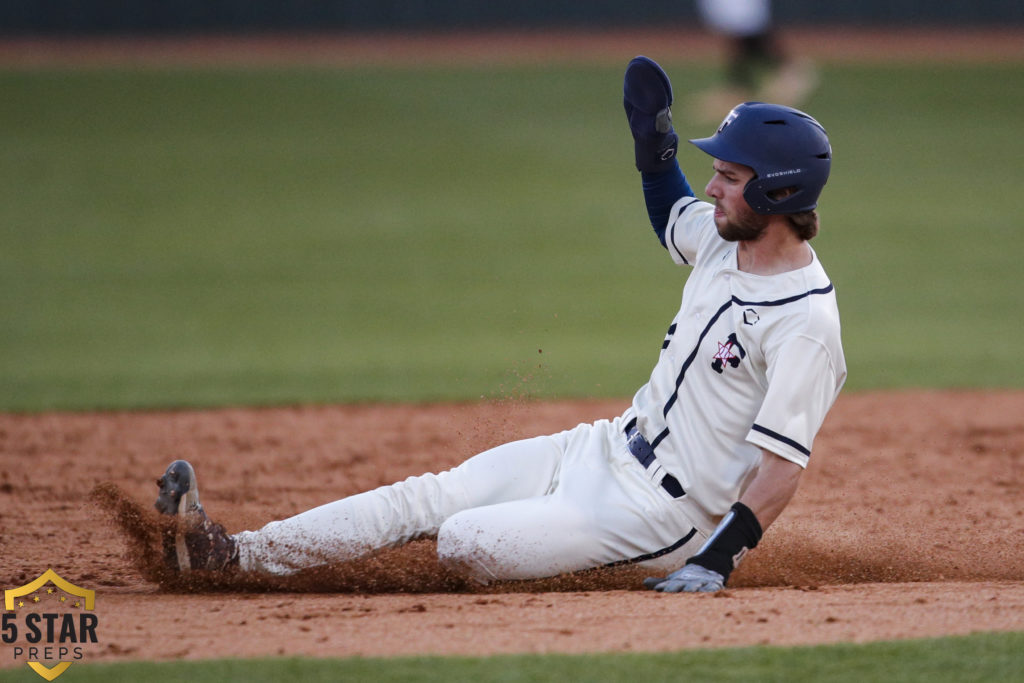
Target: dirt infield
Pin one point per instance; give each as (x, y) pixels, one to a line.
(908, 523)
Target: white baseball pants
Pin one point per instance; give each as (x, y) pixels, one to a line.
(527, 509)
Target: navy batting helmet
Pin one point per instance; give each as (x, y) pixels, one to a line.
(785, 147)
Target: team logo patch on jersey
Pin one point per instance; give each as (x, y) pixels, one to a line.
(731, 352)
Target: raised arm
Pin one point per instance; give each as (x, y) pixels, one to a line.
(647, 99)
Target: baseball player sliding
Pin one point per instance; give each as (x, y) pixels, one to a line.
(711, 449)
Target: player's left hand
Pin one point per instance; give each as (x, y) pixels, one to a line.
(691, 578)
(647, 98)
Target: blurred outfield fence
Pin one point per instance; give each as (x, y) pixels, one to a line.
(56, 17)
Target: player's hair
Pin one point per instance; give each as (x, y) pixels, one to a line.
(804, 224)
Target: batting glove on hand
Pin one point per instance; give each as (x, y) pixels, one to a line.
(692, 578)
(647, 98)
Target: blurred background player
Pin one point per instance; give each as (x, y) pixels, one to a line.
(758, 67)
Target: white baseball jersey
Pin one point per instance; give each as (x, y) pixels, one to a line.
(749, 362)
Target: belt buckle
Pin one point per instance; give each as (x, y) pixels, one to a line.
(640, 447)
(643, 451)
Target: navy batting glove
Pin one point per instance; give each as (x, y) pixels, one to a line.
(647, 98)
(692, 578)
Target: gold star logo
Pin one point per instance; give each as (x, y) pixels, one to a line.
(32, 592)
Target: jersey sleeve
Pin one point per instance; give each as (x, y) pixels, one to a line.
(691, 224)
(803, 383)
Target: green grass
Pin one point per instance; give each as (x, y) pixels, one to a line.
(980, 657)
(208, 237)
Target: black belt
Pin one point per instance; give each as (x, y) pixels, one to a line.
(644, 453)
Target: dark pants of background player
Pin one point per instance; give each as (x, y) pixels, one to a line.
(751, 56)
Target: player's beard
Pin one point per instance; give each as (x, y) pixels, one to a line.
(745, 226)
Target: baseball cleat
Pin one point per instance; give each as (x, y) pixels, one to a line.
(198, 542)
(178, 482)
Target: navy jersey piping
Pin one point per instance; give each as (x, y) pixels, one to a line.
(672, 231)
(779, 437)
(668, 336)
(657, 553)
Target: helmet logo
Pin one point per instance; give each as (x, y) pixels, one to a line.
(729, 118)
(776, 174)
